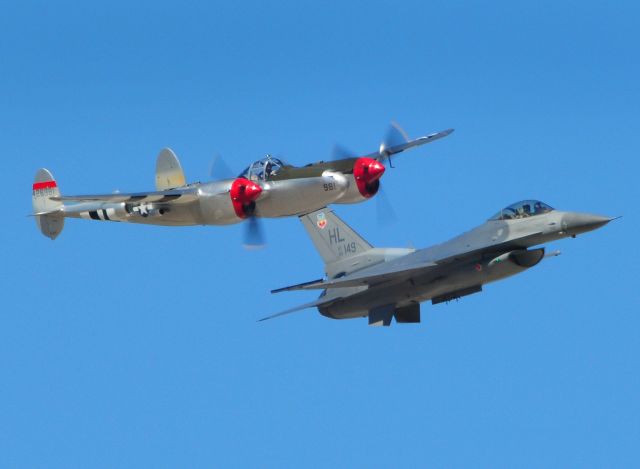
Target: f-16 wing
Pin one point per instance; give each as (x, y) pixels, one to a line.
(383, 273)
(366, 278)
(174, 196)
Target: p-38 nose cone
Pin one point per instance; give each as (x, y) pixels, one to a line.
(575, 223)
(376, 170)
(252, 191)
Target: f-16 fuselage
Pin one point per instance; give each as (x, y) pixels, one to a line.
(394, 282)
(488, 265)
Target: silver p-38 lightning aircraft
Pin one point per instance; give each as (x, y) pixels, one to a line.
(268, 188)
(363, 281)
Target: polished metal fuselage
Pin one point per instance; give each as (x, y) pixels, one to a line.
(213, 206)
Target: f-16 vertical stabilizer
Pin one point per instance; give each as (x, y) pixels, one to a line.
(49, 213)
(338, 244)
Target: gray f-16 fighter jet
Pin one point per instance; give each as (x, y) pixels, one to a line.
(382, 283)
(268, 188)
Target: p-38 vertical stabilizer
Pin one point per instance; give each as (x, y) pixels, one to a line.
(48, 213)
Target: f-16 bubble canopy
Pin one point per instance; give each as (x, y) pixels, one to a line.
(522, 209)
(263, 169)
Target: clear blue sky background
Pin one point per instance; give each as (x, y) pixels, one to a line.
(134, 346)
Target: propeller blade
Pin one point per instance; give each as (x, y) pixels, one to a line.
(385, 214)
(253, 234)
(218, 169)
(395, 136)
(338, 152)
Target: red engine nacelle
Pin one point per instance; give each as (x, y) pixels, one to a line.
(244, 194)
(367, 173)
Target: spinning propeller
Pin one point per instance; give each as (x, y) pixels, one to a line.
(244, 194)
(396, 136)
(367, 170)
(218, 168)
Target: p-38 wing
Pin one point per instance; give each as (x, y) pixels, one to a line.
(397, 141)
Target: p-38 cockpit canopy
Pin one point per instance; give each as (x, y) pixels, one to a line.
(263, 169)
(522, 209)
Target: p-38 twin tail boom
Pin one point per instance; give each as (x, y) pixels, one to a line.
(268, 188)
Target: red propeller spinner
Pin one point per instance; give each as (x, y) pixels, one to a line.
(367, 173)
(244, 194)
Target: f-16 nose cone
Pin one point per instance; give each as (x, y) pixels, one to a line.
(376, 170)
(576, 223)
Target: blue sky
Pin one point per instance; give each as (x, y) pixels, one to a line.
(133, 346)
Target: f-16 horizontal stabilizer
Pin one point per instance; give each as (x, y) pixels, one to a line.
(313, 304)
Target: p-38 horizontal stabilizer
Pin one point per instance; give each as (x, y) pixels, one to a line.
(174, 196)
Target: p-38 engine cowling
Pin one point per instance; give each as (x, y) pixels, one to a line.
(244, 194)
(364, 183)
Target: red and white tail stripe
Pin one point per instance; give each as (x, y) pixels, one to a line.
(49, 213)
(44, 185)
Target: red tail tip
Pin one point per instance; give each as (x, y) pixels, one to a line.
(44, 185)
